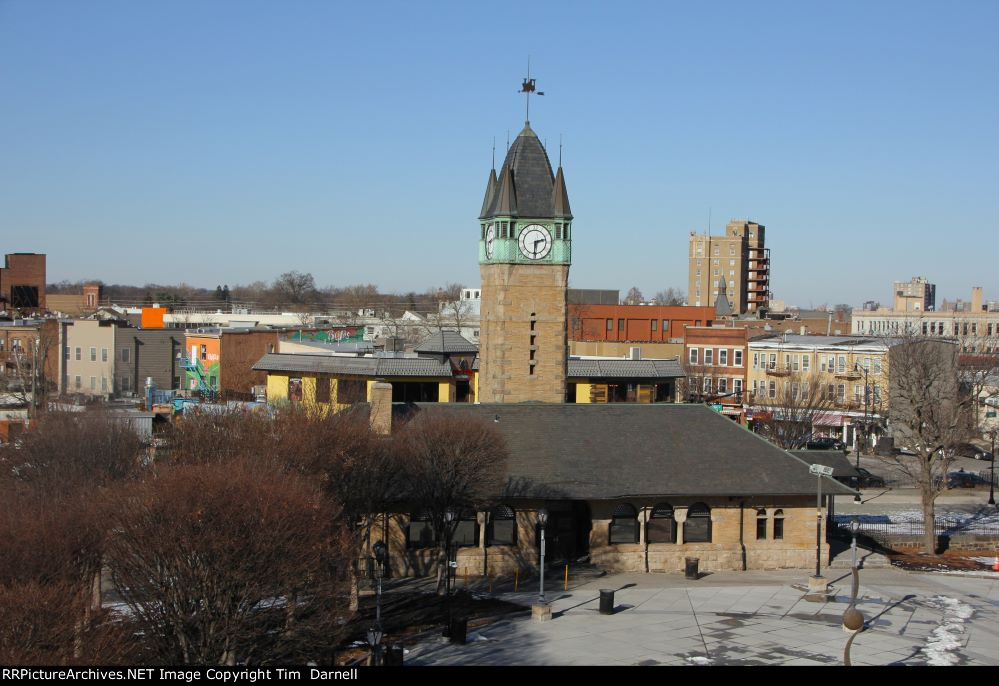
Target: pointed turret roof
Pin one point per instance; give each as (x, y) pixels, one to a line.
(505, 198)
(526, 182)
(723, 308)
(561, 197)
(490, 191)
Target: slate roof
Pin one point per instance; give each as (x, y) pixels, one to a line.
(648, 369)
(356, 366)
(619, 450)
(526, 186)
(446, 342)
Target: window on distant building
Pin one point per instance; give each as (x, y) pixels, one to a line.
(709, 356)
(661, 527)
(693, 356)
(323, 389)
(737, 358)
(778, 525)
(93, 354)
(624, 525)
(421, 531)
(761, 524)
(466, 533)
(697, 528)
(502, 527)
(723, 357)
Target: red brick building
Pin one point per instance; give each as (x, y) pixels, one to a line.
(635, 323)
(715, 361)
(22, 282)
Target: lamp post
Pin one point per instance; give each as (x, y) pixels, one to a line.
(381, 552)
(816, 584)
(449, 516)
(542, 521)
(854, 528)
(992, 470)
(858, 367)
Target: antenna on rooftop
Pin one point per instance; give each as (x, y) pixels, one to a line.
(560, 150)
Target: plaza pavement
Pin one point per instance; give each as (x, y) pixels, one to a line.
(741, 618)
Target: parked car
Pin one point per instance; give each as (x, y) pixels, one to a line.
(825, 443)
(973, 451)
(962, 479)
(862, 479)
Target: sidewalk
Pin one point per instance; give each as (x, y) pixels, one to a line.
(742, 618)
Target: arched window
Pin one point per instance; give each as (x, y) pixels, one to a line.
(661, 527)
(697, 528)
(624, 524)
(502, 529)
(778, 525)
(761, 524)
(421, 530)
(466, 533)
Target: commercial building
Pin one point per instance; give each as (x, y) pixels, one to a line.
(715, 365)
(976, 328)
(738, 259)
(220, 362)
(843, 380)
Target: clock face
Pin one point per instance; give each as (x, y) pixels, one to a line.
(535, 242)
(490, 237)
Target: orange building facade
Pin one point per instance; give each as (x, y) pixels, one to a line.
(635, 323)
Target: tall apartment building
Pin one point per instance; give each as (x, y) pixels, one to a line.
(738, 258)
(915, 295)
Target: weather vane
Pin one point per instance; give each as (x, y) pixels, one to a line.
(528, 87)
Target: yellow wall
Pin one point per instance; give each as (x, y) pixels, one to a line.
(583, 392)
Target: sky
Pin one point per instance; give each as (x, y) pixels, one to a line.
(226, 142)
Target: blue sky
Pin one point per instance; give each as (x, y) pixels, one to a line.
(224, 142)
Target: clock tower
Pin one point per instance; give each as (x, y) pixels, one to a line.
(525, 248)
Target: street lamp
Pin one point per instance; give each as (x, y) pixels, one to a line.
(858, 367)
(992, 474)
(854, 528)
(816, 584)
(450, 515)
(381, 553)
(542, 521)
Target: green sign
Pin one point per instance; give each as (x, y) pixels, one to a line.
(716, 407)
(990, 414)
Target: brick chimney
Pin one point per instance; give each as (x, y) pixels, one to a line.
(381, 408)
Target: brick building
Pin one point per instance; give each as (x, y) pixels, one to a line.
(22, 282)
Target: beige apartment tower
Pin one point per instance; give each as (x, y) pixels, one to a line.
(738, 258)
(916, 295)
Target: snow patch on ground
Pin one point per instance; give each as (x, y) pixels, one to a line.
(697, 660)
(944, 641)
(476, 636)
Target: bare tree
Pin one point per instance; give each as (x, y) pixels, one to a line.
(451, 465)
(230, 563)
(295, 288)
(30, 374)
(451, 312)
(53, 530)
(671, 296)
(788, 407)
(929, 414)
(634, 296)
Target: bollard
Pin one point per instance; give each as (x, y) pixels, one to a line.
(606, 601)
(566, 586)
(690, 568)
(459, 630)
(516, 581)
(490, 584)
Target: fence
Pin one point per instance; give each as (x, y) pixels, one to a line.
(969, 533)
